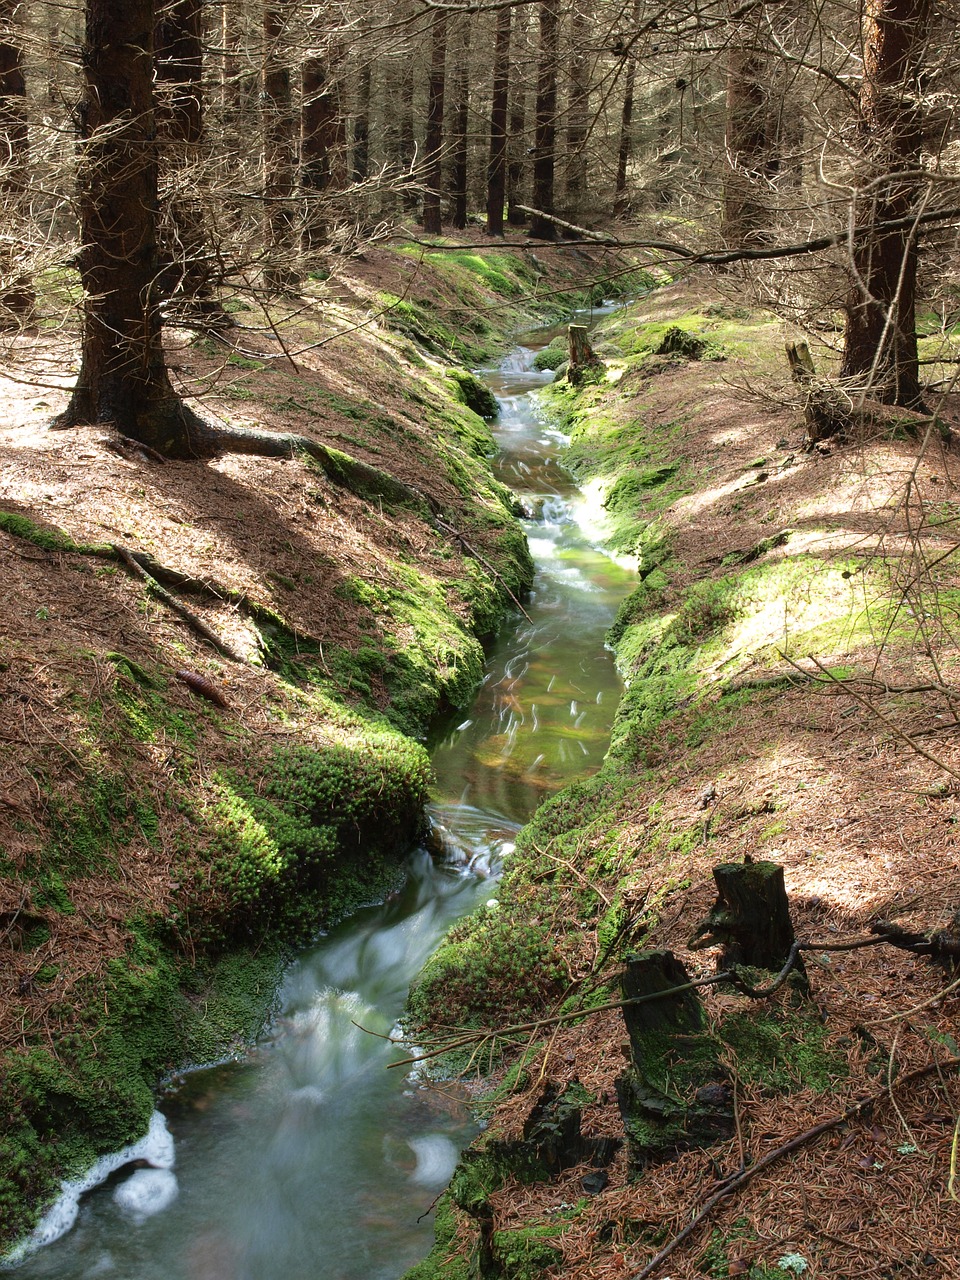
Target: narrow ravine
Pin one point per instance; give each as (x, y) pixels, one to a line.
(308, 1158)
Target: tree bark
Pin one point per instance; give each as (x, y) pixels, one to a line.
(625, 148)
(880, 338)
(751, 917)
(361, 124)
(749, 146)
(280, 275)
(432, 219)
(578, 113)
(461, 120)
(318, 110)
(517, 140)
(544, 160)
(16, 293)
(497, 168)
(123, 378)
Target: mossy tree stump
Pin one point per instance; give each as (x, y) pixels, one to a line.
(674, 1096)
(583, 360)
(824, 412)
(750, 918)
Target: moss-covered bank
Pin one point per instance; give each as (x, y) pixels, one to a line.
(705, 645)
(182, 820)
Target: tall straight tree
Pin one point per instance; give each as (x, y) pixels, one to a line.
(544, 159)
(748, 127)
(497, 167)
(16, 293)
(517, 138)
(123, 377)
(578, 114)
(459, 141)
(880, 335)
(625, 147)
(433, 170)
(319, 108)
(279, 155)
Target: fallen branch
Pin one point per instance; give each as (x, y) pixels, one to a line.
(801, 1140)
(472, 551)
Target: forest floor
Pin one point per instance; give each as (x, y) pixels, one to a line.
(792, 662)
(756, 554)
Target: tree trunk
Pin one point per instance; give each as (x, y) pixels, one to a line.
(578, 115)
(517, 141)
(461, 120)
(16, 293)
(880, 338)
(123, 378)
(749, 146)
(750, 918)
(433, 174)
(318, 108)
(361, 125)
(625, 148)
(497, 169)
(280, 275)
(186, 252)
(544, 160)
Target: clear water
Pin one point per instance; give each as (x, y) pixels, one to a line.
(308, 1160)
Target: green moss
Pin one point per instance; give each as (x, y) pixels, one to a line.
(473, 393)
(444, 1262)
(526, 1254)
(782, 1052)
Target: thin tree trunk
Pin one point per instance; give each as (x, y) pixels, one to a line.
(361, 125)
(625, 147)
(461, 120)
(278, 151)
(16, 293)
(880, 338)
(123, 378)
(517, 142)
(748, 140)
(578, 117)
(497, 169)
(544, 161)
(432, 221)
(318, 111)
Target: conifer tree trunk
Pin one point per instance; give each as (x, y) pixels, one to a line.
(749, 142)
(578, 116)
(361, 124)
(461, 120)
(123, 379)
(278, 151)
(625, 147)
(432, 221)
(318, 111)
(517, 139)
(497, 168)
(16, 293)
(880, 337)
(544, 161)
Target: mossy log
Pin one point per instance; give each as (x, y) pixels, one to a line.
(675, 1094)
(750, 918)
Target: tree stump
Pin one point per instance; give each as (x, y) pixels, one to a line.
(824, 412)
(583, 360)
(674, 1096)
(750, 918)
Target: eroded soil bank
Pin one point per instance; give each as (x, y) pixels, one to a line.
(791, 662)
(218, 676)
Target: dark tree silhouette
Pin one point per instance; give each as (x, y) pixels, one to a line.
(16, 293)
(544, 160)
(432, 219)
(497, 168)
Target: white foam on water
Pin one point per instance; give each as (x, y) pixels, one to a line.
(436, 1160)
(155, 1148)
(147, 1192)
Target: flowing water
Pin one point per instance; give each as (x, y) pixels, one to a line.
(308, 1160)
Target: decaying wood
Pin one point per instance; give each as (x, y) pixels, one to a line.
(750, 918)
(824, 411)
(582, 357)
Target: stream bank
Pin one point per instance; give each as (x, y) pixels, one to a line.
(177, 818)
(779, 637)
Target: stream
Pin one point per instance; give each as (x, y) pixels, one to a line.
(308, 1158)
